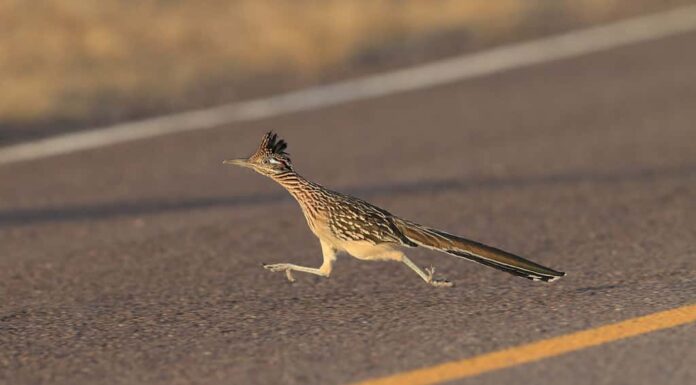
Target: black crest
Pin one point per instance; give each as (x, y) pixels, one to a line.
(271, 144)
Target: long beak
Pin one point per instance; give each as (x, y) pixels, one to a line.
(238, 162)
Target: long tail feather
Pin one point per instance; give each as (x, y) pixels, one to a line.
(477, 252)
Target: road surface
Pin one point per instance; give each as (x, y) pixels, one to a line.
(140, 263)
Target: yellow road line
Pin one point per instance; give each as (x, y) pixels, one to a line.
(539, 350)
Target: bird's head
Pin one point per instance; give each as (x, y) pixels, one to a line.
(269, 159)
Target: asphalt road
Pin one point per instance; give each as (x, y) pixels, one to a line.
(141, 263)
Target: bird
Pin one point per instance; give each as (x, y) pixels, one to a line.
(351, 225)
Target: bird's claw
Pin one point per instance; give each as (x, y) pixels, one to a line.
(431, 271)
(280, 267)
(436, 282)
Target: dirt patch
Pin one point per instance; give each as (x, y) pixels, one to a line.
(72, 64)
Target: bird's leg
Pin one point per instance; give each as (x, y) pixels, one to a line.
(324, 270)
(289, 267)
(427, 275)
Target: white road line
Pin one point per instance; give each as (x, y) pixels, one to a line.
(469, 66)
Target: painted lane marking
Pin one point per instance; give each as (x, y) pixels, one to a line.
(536, 351)
(496, 60)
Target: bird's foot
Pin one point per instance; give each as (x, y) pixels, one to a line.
(281, 267)
(436, 282)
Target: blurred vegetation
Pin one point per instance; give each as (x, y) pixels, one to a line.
(72, 60)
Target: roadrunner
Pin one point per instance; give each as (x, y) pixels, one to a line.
(347, 224)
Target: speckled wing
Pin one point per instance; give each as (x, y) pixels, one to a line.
(356, 220)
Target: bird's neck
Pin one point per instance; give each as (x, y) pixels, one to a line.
(308, 194)
(298, 186)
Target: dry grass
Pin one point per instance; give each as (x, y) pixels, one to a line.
(65, 59)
